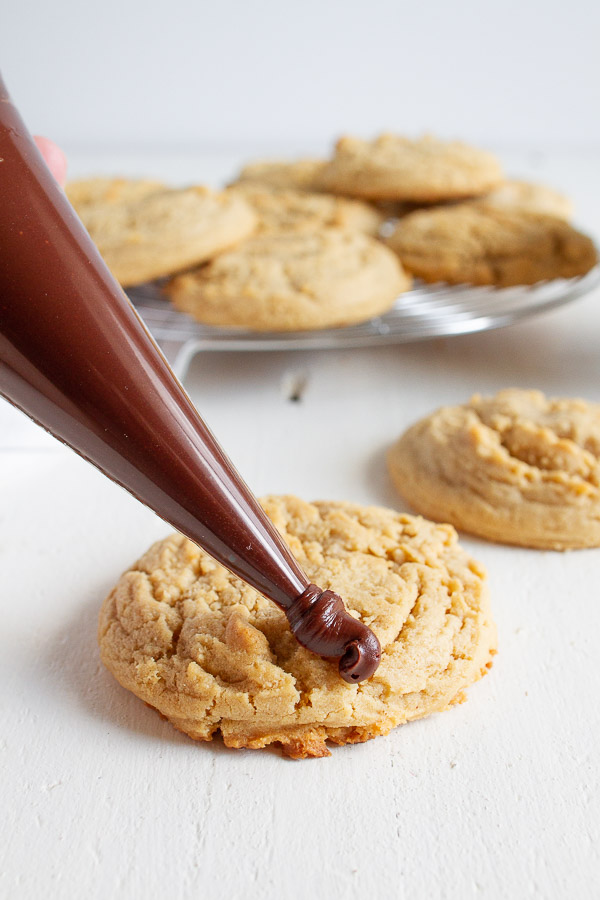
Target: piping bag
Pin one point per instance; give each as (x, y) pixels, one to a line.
(76, 358)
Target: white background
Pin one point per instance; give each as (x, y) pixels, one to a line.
(498, 798)
(198, 73)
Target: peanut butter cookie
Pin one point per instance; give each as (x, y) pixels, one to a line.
(425, 170)
(106, 190)
(480, 243)
(212, 655)
(279, 211)
(296, 175)
(535, 198)
(289, 282)
(516, 468)
(153, 233)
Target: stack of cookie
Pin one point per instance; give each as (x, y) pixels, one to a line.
(262, 259)
(453, 216)
(300, 245)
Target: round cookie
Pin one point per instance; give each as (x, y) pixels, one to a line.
(105, 190)
(298, 175)
(279, 211)
(478, 243)
(165, 231)
(536, 198)
(211, 654)
(424, 170)
(290, 282)
(517, 468)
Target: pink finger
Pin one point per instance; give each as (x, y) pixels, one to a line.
(54, 157)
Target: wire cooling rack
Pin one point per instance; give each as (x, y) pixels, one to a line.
(427, 311)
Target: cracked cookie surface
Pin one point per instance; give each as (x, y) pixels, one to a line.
(477, 243)
(422, 170)
(213, 655)
(518, 468)
(286, 282)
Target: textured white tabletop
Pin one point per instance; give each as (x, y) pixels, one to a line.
(496, 798)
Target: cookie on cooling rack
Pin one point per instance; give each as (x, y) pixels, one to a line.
(212, 655)
(284, 210)
(517, 468)
(424, 170)
(291, 282)
(106, 190)
(535, 198)
(479, 243)
(296, 175)
(145, 233)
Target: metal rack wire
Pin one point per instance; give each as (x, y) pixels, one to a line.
(427, 311)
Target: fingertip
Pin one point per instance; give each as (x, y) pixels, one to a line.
(54, 158)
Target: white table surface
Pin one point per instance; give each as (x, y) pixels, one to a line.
(496, 798)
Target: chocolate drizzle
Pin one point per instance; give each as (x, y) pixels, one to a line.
(76, 358)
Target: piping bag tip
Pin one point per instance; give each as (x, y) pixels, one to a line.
(321, 623)
(360, 659)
